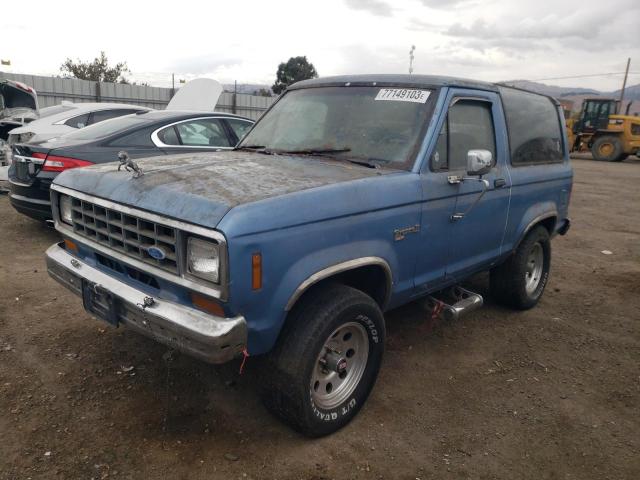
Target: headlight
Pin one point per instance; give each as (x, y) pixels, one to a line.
(25, 137)
(203, 259)
(65, 209)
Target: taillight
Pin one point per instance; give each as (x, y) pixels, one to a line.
(54, 163)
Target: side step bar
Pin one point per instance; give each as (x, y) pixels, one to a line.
(452, 303)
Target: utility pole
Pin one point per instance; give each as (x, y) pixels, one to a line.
(413, 49)
(234, 105)
(624, 85)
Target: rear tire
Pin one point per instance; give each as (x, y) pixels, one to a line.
(520, 281)
(608, 149)
(330, 325)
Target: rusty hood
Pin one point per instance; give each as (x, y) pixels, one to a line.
(201, 188)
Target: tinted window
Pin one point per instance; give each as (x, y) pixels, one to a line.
(139, 138)
(534, 127)
(468, 126)
(103, 115)
(239, 127)
(168, 136)
(207, 132)
(78, 122)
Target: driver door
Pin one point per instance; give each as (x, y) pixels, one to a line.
(475, 121)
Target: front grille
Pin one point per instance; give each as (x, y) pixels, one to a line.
(125, 233)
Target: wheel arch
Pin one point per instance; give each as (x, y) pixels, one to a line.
(363, 273)
(548, 219)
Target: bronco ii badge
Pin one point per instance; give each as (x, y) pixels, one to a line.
(128, 164)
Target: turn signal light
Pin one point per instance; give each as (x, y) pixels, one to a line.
(206, 304)
(54, 163)
(70, 245)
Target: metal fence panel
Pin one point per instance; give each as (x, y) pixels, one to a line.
(53, 90)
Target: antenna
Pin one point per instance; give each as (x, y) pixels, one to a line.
(413, 49)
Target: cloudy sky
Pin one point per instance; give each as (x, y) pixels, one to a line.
(245, 40)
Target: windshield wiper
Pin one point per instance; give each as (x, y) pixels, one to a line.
(363, 163)
(325, 151)
(315, 151)
(255, 148)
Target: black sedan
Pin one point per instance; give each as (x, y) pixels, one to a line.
(144, 134)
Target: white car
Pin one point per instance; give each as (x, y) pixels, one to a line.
(66, 118)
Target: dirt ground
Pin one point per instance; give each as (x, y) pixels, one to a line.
(551, 393)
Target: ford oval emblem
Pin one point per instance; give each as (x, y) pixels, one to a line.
(156, 252)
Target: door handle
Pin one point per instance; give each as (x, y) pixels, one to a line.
(499, 182)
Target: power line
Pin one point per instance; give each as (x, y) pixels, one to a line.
(586, 76)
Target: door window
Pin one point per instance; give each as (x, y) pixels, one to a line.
(468, 126)
(207, 132)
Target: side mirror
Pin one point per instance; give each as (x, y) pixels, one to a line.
(479, 162)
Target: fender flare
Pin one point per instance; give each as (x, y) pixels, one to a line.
(534, 222)
(339, 268)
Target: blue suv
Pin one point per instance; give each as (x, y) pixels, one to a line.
(351, 196)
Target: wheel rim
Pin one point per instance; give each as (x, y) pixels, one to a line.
(348, 343)
(605, 149)
(533, 272)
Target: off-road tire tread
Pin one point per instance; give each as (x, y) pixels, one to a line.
(507, 280)
(297, 342)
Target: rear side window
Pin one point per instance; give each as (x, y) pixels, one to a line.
(534, 127)
(79, 121)
(168, 136)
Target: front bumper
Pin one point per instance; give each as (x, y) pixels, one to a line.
(207, 337)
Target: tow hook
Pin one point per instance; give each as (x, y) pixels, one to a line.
(334, 361)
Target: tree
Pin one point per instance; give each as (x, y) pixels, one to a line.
(296, 69)
(263, 92)
(97, 71)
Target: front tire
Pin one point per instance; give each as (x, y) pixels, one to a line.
(607, 148)
(326, 361)
(520, 281)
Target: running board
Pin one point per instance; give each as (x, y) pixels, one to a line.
(452, 303)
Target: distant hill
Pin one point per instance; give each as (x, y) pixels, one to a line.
(576, 95)
(248, 88)
(551, 90)
(630, 93)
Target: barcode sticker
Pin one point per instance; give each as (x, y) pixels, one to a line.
(403, 95)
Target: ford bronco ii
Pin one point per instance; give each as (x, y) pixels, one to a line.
(351, 196)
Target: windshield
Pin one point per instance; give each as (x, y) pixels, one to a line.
(106, 128)
(374, 124)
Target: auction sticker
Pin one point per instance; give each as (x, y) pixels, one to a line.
(403, 95)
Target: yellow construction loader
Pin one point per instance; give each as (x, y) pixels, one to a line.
(600, 129)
